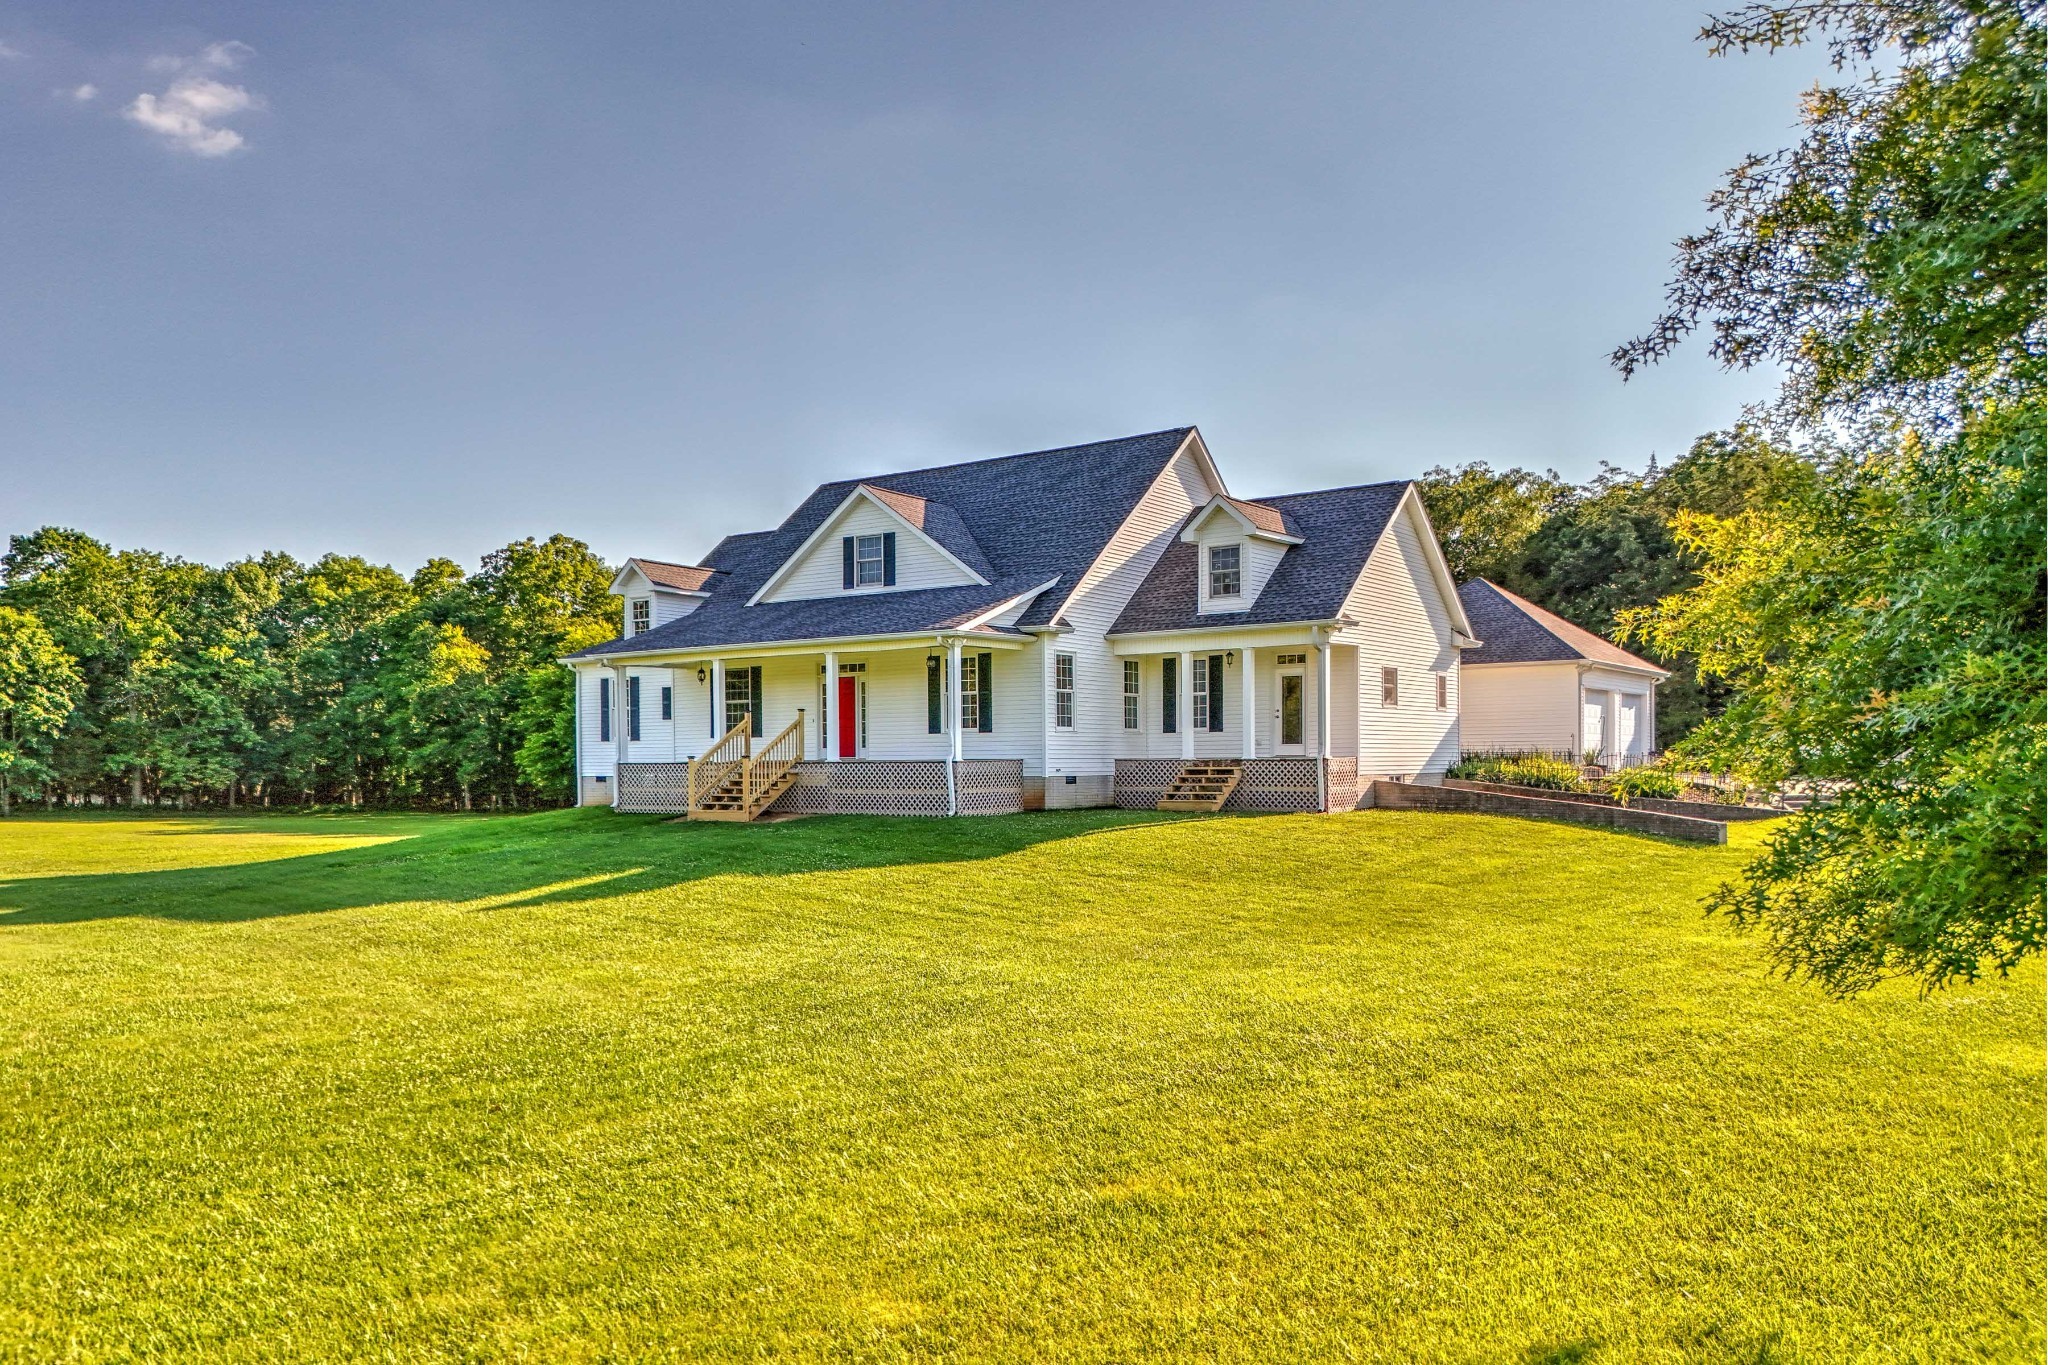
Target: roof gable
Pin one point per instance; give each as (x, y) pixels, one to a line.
(663, 576)
(1260, 519)
(1514, 630)
(813, 568)
(1338, 529)
(1039, 517)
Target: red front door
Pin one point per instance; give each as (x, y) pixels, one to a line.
(849, 715)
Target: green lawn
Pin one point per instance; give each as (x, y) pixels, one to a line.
(1084, 1087)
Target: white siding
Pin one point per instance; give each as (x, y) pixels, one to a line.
(673, 606)
(1150, 741)
(821, 571)
(1097, 736)
(663, 605)
(1256, 561)
(1520, 706)
(1405, 624)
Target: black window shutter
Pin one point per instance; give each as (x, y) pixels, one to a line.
(934, 702)
(1215, 691)
(846, 560)
(985, 676)
(1169, 695)
(754, 697)
(888, 559)
(604, 710)
(632, 708)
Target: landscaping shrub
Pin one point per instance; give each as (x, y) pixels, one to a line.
(1630, 783)
(1520, 770)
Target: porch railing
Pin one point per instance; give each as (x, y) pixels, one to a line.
(710, 770)
(777, 757)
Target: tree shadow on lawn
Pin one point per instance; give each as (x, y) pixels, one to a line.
(536, 860)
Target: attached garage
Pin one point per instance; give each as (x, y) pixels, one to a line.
(1538, 682)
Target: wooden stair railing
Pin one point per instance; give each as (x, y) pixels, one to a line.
(709, 770)
(1203, 785)
(733, 782)
(764, 772)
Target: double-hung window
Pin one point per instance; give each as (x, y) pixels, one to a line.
(1198, 679)
(1443, 692)
(739, 695)
(643, 615)
(1225, 580)
(970, 692)
(867, 561)
(1390, 687)
(1130, 694)
(1063, 691)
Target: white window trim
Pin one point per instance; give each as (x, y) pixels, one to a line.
(863, 562)
(637, 610)
(1133, 694)
(1236, 572)
(1062, 697)
(1198, 693)
(970, 692)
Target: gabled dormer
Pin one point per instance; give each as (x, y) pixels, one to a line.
(879, 540)
(1238, 544)
(654, 592)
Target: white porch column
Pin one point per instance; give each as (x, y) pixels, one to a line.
(951, 703)
(828, 741)
(618, 726)
(1248, 689)
(1183, 706)
(717, 702)
(1322, 720)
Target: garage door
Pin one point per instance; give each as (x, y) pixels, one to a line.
(1628, 728)
(1594, 737)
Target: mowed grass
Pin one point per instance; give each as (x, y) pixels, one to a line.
(1060, 1087)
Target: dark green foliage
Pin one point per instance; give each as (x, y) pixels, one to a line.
(1591, 552)
(1630, 783)
(1881, 630)
(336, 682)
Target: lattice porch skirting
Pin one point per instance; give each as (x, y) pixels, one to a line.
(1268, 784)
(849, 787)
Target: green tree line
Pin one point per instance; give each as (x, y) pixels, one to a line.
(129, 676)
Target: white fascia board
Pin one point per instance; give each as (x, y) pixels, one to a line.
(999, 608)
(1223, 635)
(743, 650)
(859, 494)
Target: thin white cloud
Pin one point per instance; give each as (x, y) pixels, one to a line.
(188, 113)
(85, 92)
(9, 54)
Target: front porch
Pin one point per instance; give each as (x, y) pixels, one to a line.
(848, 787)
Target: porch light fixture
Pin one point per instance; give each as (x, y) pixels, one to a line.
(700, 673)
(1230, 657)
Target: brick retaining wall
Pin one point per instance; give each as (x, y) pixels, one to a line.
(1701, 810)
(1463, 797)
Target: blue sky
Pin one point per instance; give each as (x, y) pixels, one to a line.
(404, 280)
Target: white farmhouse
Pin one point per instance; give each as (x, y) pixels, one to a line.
(1095, 625)
(1540, 683)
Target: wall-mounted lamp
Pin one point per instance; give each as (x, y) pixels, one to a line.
(1230, 657)
(700, 673)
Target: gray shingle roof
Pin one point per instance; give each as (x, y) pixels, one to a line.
(1338, 527)
(1514, 630)
(1037, 516)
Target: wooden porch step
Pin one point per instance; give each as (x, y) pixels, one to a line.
(1203, 786)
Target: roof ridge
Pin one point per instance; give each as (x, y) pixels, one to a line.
(1321, 492)
(672, 563)
(998, 459)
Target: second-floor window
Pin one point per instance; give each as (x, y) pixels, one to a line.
(643, 615)
(1224, 578)
(867, 561)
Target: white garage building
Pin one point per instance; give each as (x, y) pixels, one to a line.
(1538, 682)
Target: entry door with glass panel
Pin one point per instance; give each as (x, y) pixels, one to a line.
(848, 709)
(1293, 711)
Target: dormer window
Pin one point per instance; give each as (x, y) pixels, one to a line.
(643, 615)
(1225, 577)
(868, 569)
